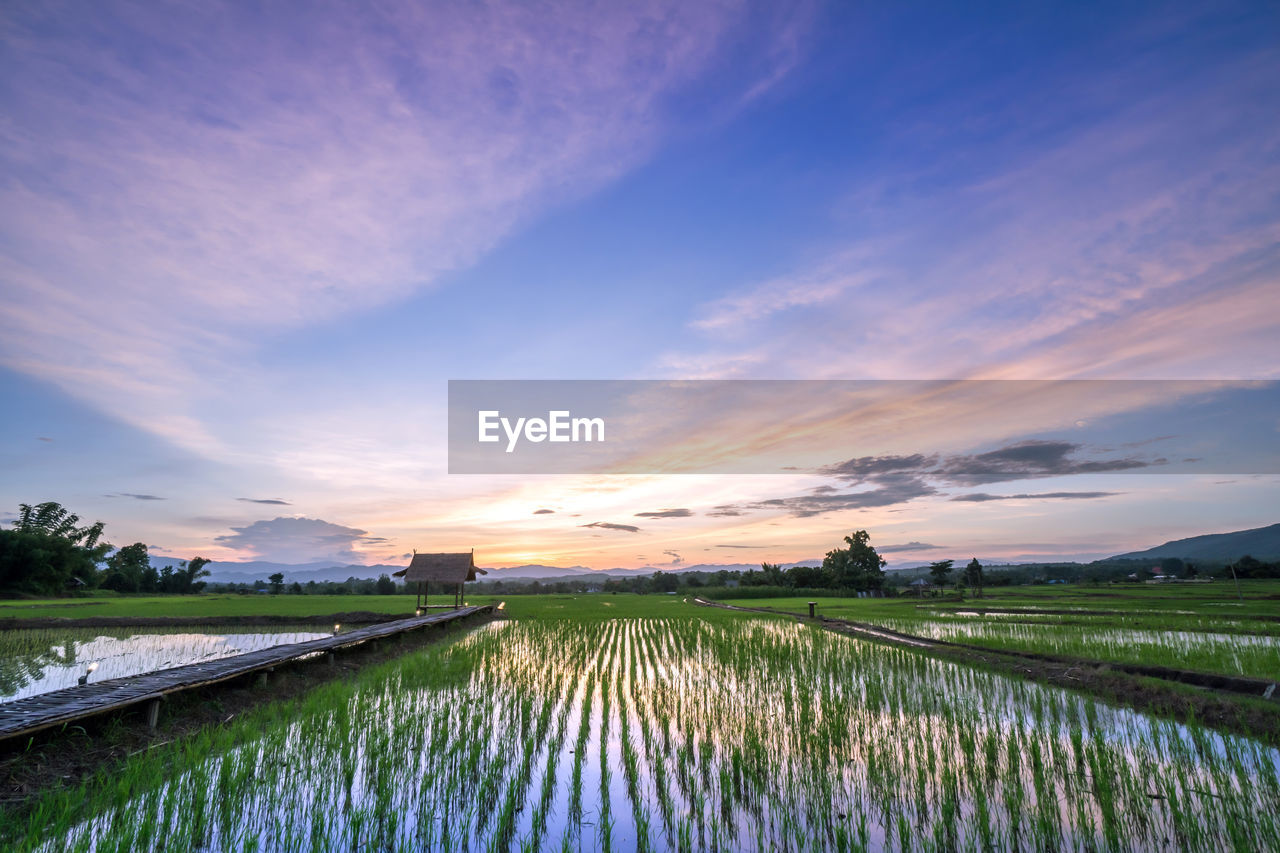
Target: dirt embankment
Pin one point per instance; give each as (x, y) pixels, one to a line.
(1231, 703)
(355, 617)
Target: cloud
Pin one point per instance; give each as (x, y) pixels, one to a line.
(832, 281)
(272, 501)
(196, 180)
(901, 478)
(980, 497)
(544, 512)
(1022, 460)
(297, 540)
(607, 525)
(868, 468)
(1027, 460)
(909, 546)
(136, 497)
(43, 438)
(1095, 249)
(676, 559)
(744, 546)
(666, 513)
(890, 490)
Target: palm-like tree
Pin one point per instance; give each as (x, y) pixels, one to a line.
(53, 519)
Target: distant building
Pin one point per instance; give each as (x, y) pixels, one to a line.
(920, 585)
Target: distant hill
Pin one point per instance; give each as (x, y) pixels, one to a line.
(1262, 543)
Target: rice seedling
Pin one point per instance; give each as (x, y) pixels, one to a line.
(680, 734)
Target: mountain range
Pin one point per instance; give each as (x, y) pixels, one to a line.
(1262, 543)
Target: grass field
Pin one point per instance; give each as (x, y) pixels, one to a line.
(215, 607)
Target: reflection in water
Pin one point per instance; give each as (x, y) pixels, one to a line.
(41, 661)
(1242, 654)
(655, 734)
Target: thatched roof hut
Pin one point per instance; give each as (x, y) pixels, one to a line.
(441, 568)
(448, 569)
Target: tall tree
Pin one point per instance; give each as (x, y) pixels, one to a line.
(277, 582)
(973, 577)
(940, 571)
(856, 567)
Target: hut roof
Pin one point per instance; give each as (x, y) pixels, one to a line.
(441, 568)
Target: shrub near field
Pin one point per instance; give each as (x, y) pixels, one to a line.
(662, 733)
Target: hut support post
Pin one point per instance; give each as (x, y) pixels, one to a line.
(153, 712)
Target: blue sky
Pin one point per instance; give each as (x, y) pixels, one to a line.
(243, 250)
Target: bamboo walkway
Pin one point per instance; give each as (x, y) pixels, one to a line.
(30, 715)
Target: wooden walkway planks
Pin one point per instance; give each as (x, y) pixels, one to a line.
(29, 715)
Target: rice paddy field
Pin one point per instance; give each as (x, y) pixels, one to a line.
(630, 724)
(1206, 628)
(35, 661)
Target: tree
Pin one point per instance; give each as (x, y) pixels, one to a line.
(48, 552)
(973, 577)
(130, 570)
(277, 582)
(808, 577)
(665, 582)
(195, 570)
(940, 571)
(52, 518)
(386, 586)
(856, 567)
(772, 575)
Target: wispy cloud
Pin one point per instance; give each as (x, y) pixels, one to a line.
(136, 497)
(889, 490)
(907, 547)
(1103, 249)
(666, 513)
(180, 185)
(608, 525)
(271, 501)
(982, 497)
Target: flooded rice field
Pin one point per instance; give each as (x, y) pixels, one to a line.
(685, 734)
(43, 660)
(1255, 655)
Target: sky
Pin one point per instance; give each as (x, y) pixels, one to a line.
(244, 248)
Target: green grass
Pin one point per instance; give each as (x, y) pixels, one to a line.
(221, 606)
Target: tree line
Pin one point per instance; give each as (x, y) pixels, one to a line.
(49, 553)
